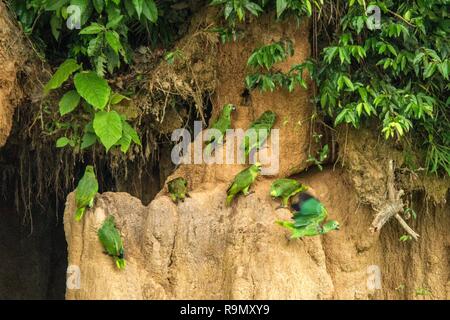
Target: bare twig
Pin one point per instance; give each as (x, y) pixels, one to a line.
(392, 207)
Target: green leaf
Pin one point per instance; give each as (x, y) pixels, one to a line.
(114, 23)
(69, 102)
(124, 143)
(128, 130)
(94, 28)
(117, 98)
(61, 75)
(138, 4)
(98, 5)
(150, 10)
(62, 142)
(108, 127)
(88, 140)
(93, 89)
(56, 5)
(55, 25)
(113, 40)
(281, 6)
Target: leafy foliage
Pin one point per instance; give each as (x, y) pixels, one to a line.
(264, 59)
(398, 74)
(103, 39)
(237, 10)
(108, 127)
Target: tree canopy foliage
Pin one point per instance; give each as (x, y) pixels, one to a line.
(394, 72)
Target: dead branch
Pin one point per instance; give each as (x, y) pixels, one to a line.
(392, 207)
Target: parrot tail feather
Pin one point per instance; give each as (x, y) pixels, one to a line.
(229, 199)
(120, 263)
(79, 213)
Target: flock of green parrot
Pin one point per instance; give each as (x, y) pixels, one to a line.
(309, 214)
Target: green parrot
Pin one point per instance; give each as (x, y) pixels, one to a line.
(255, 138)
(243, 181)
(112, 242)
(223, 123)
(285, 189)
(310, 230)
(85, 193)
(178, 189)
(309, 214)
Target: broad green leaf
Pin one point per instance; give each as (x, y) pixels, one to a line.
(55, 5)
(124, 143)
(113, 40)
(150, 10)
(61, 75)
(281, 6)
(88, 140)
(98, 5)
(69, 102)
(108, 127)
(114, 23)
(128, 130)
(117, 98)
(138, 4)
(94, 28)
(62, 142)
(308, 7)
(93, 89)
(55, 25)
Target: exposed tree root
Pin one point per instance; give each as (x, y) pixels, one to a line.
(392, 207)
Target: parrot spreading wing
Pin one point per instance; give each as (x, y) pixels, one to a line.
(110, 238)
(309, 214)
(258, 132)
(223, 123)
(307, 210)
(178, 189)
(285, 189)
(243, 181)
(85, 192)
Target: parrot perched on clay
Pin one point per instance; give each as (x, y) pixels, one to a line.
(309, 214)
(255, 138)
(285, 189)
(112, 242)
(223, 123)
(243, 181)
(85, 193)
(178, 189)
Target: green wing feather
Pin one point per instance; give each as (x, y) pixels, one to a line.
(311, 211)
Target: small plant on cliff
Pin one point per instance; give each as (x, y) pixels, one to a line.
(94, 95)
(266, 77)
